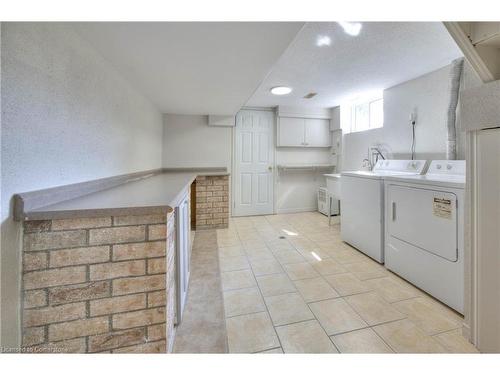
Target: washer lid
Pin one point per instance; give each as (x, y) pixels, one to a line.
(332, 175)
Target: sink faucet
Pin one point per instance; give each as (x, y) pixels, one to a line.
(367, 164)
(374, 154)
(377, 153)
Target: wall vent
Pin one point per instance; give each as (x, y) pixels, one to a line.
(310, 95)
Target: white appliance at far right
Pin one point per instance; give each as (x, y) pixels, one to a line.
(425, 230)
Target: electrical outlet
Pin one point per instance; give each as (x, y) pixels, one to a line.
(413, 117)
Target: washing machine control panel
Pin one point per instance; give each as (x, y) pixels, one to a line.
(403, 166)
(413, 166)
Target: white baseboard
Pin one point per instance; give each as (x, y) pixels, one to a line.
(295, 210)
(466, 332)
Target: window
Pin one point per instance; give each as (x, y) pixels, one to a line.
(363, 113)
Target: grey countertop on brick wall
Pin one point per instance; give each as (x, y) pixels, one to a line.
(159, 193)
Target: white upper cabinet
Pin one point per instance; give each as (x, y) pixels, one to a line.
(317, 133)
(303, 132)
(486, 33)
(291, 132)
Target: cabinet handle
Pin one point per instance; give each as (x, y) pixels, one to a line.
(393, 211)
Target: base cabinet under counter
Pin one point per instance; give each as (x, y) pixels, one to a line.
(115, 282)
(183, 253)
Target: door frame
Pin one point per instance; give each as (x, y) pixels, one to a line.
(470, 324)
(233, 159)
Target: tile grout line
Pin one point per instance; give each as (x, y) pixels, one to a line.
(315, 318)
(266, 307)
(254, 227)
(296, 291)
(221, 289)
(341, 296)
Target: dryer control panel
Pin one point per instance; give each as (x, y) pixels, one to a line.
(447, 167)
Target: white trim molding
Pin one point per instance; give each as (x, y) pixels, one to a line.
(469, 51)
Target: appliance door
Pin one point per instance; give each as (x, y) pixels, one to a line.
(362, 215)
(425, 218)
(488, 240)
(182, 254)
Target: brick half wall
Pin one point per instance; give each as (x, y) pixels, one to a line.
(212, 202)
(99, 285)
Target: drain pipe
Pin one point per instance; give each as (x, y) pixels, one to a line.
(451, 121)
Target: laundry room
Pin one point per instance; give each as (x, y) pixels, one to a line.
(250, 187)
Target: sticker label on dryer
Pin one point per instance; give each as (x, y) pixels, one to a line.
(442, 208)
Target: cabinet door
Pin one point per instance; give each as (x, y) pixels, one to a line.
(484, 30)
(317, 133)
(182, 255)
(487, 223)
(291, 132)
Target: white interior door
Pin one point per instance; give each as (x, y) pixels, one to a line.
(254, 163)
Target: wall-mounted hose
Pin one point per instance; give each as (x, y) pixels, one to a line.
(455, 77)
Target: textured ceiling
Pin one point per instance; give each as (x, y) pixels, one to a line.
(382, 55)
(192, 67)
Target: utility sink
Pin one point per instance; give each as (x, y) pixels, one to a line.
(333, 184)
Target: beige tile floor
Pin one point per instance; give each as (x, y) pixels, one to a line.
(203, 325)
(291, 285)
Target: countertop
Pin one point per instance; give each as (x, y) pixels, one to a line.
(159, 193)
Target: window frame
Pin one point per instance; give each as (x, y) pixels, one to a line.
(351, 108)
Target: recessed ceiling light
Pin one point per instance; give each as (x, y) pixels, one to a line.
(281, 90)
(323, 40)
(351, 28)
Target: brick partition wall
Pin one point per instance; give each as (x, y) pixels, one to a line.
(212, 202)
(99, 284)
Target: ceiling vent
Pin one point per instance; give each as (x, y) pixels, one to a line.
(310, 95)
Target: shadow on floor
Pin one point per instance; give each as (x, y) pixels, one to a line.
(203, 327)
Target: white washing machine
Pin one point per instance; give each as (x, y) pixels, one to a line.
(425, 230)
(362, 216)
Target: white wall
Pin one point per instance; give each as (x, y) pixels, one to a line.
(188, 141)
(429, 94)
(297, 190)
(67, 117)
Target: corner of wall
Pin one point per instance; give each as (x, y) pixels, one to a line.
(164, 139)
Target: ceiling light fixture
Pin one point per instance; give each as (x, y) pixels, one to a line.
(351, 28)
(281, 90)
(323, 40)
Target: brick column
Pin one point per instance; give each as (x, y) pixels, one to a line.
(212, 202)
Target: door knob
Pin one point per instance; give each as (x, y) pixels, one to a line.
(270, 168)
